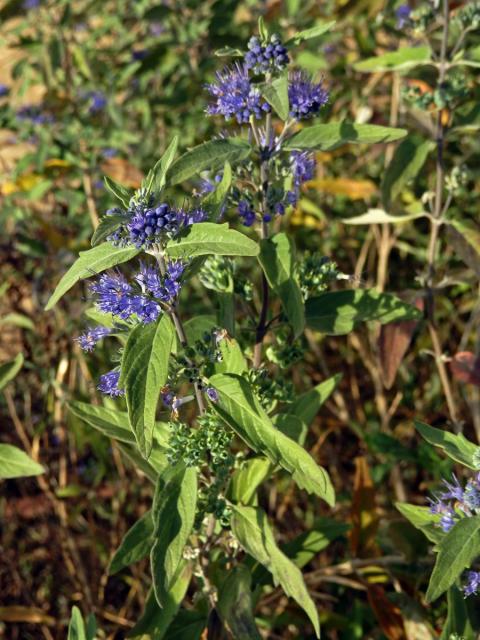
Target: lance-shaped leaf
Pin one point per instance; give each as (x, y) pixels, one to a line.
(276, 94)
(235, 604)
(246, 480)
(90, 263)
(379, 216)
(308, 34)
(277, 257)
(209, 155)
(408, 159)
(307, 405)
(208, 238)
(119, 191)
(76, 626)
(15, 463)
(107, 225)
(326, 137)
(250, 527)
(455, 445)
(173, 515)
(456, 552)
(144, 373)
(155, 620)
(337, 312)
(423, 520)
(110, 422)
(457, 624)
(156, 178)
(241, 409)
(401, 60)
(135, 546)
(8, 370)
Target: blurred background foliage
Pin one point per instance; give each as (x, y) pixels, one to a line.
(99, 87)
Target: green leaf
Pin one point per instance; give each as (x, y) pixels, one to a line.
(209, 238)
(174, 507)
(214, 202)
(157, 177)
(421, 518)
(457, 621)
(135, 545)
(313, 32)
(250, 527)
(90, 263)
(401, 60)
(15, 463)
(246, 480)
(235, 604)
(241, 409)
(76, 627)
(408, 159)
(456, 446)
(209, 155)
(379, 216)
(155, 621)
(307, 405)
(456, 552)
(262, 29)
(292, 426)
(8, 370)
(233, 360)
(277, 257)
(120, 192)
(112, 423)
(326, 137)
(107, 226)
(337, 312)
(276, 94)
(144, 373)
(464, 237)
(229, 51)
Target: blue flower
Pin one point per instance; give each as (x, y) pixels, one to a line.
(303, 166)
(453, 490)
(97, 101)
(114, 295)
(235, 97)
(109, 384)
(147, 224)
(30, 4)
(109, 152)
(472, 584)
(246, 212)
(402, 14)
(471, 496)
(306, 97)
(263, 58)
(35, 114)
(89, 339)
(4, 90)
(212, 394)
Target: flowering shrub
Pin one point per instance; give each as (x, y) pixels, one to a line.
(207, 463)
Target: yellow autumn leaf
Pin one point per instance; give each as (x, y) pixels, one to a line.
(24, 183)
(57, 163)
(8, 188)
(353, 189)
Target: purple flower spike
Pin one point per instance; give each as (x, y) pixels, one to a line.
(109, 384)
(306, 97)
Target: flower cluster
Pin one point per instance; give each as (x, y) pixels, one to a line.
(246, 212)
(146, 223)
(109, 384)
(303, 167)
(266, 57)
(142, 297)
(34, 114)
(403, 13)
(89, 339)
(456, 502)
(235, 96)
(315, 274)
(306, 97)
